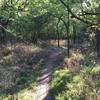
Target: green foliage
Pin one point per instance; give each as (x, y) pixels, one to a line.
(24, 16)
(23, 27)
(59, 80)
(78, 86)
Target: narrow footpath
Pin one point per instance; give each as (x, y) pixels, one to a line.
(52, 58)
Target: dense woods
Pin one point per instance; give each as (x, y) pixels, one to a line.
(49, 41)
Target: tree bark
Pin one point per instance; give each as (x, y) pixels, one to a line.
(74, 35)
(68, 39)
(2, 34)
(58, 35)
(98, 42)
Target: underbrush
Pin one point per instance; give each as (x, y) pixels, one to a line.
(81, 85)
(24, 86)
(19, 72)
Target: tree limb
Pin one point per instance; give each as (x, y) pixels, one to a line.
(89, 13)
(74, 15)
(4, 28)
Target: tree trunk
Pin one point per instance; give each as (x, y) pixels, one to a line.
(2, 33)
(58, 35)
(74, 35)
(68, 37)
(58, 40)
(98, 42)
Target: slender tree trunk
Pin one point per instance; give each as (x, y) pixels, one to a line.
(58, 40)
(68, 46)
(98, 42)
(74, 35)
(2, 36)
(67, 25)
(58, 35)
(68, 38)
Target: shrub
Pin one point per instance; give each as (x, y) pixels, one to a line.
(59, 80)
(76, 86)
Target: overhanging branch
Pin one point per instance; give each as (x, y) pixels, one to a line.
(89, 13)
(74, 15)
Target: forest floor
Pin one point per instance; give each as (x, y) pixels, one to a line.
(53, 57)
(26, 70)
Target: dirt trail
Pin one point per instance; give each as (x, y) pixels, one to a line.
(52, 58)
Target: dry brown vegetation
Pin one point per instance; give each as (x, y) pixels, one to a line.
(13, 60)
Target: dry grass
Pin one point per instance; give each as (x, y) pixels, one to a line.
(13, 61)
(73, 63)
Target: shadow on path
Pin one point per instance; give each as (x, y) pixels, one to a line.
(53, 59)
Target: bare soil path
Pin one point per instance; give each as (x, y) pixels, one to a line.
(52, 58)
